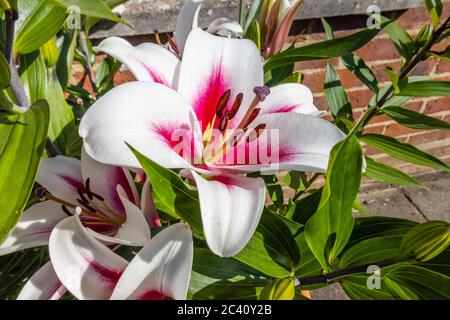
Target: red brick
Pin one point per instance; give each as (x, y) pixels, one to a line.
(443, 66)
(321, 103)
(123, 77)
(380, 72)
(349, 80)
(429, 136)
(360, 98)
(380, 118)
(413, 18)
(414, 105)
(378, 49)
(396, 130)
(424, 68)
(314, 81)
(441, 104)
(375, 129)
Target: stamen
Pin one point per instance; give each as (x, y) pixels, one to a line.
(66, 211)
(252, 117)
(83, 198)
(261, 92)
(236, 105)
(173, 45)
(157, 38)
(256, 133)
(224, 121)
(222, 103)
(40, 193)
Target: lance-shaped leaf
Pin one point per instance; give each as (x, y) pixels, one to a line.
(42, 21)
(415, 120)
(403, 151)
(323, 50)
(388, 174)
(335, 94)
(90, 8)
(425, 88)
(5, 75)
(402, 40)
(355, 64)
(62, 125)
(329, 229)
(33, 75)
(22, 139)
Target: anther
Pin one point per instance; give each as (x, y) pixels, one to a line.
(236, 105)
(40, 193)
(252, 117)
(83, 198)
(222, 103)
(66, 211)
(224, 121)
(261, 92)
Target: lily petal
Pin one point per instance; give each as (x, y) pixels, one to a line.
(231, 207)
(148, 207)
(211, 65)
(289, 97)
(61, 176)
(186, 21)
(43, 285)
(104, 179)
(161, 269)
(147, 61)
(34, 227)
(152, 118)
(291, 141)
(86, 267)
(134, 231)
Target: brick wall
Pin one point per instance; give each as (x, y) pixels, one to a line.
(379, 54)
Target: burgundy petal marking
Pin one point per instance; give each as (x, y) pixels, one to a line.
(156, 76)
(152, 295)
(112, 276)
(209, 95)
(74, 183)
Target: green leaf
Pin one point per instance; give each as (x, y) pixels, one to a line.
(22, 139)
(170, 193)
(361, 70)
(372, 250)
(426, 88)
(5, 75)
(323, 50)
(335, 94)
(355, 64)
(62, 122)
(403, 151)
(434, 7)
(42, 22)
(426, 240)
(91, 21)
(50, 52)
(332, 224)
(402, 40)
(33, 75)
(306, 207)
(272, 248)
(65, 59)
(214, 277)
(90, 8)
(254, 34)
(252, 14)
(415, 120)
(387, 174)
(427, 284)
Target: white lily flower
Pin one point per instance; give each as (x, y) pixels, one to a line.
(218, 100)
(91, 271)
(105, 195)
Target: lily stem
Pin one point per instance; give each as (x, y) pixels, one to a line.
(16, 86)
(334, 276)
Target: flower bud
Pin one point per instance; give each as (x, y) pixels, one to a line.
(279, 289)
(426, 241)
